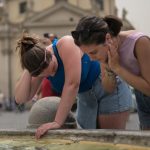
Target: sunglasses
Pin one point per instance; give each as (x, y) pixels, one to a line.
(85, 34)
(37, 71)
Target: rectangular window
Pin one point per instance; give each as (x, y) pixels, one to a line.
(101, 4)
(1, 3)
(22, 7)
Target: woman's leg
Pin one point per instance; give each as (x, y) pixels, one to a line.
(87, 107)
(108, 110)
(113, 120)
(114, 108)
(143, 109)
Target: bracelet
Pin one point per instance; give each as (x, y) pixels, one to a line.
(20, 107)
(110, 73)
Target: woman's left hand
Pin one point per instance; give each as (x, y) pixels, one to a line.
(45, 127)
(113, 58)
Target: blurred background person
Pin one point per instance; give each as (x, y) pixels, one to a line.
(51, 36)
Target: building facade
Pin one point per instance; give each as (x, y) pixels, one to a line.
(37, 16)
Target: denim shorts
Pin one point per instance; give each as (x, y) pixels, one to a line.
(143, 108)
(97, 101)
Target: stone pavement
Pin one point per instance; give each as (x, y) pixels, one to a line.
(19, 120)
(13, 120)
(133, 122)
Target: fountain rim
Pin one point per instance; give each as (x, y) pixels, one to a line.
(140, 138)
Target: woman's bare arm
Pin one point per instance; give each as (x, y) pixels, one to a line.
(108, 78)
(71, 58)
(140, 82)
(26, 87)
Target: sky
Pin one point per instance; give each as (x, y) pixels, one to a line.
(138, 13)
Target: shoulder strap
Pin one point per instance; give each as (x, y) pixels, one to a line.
(54, 45)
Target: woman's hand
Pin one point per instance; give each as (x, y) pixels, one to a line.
(113, 58)
(45, 127)
(108, 78)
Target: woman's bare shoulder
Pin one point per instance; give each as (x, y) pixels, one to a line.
(65, 39)
(127, 33)
(143, 41)
(66, 45)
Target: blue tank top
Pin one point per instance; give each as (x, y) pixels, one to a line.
(89, 73)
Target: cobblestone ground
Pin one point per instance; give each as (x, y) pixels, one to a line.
(19, 120)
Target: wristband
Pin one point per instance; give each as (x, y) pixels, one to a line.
(110, 73)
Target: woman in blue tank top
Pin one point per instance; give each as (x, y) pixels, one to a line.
(72, 74)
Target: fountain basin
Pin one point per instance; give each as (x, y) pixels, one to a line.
(75, 140)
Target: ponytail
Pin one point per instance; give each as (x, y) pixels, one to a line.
(114, 24)
(25, 43)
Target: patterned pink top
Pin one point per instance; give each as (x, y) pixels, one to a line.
(126, 52)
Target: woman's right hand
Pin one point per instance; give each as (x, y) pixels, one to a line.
(43, 129)
(108, 78)
(26, 87)
(113, 57)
